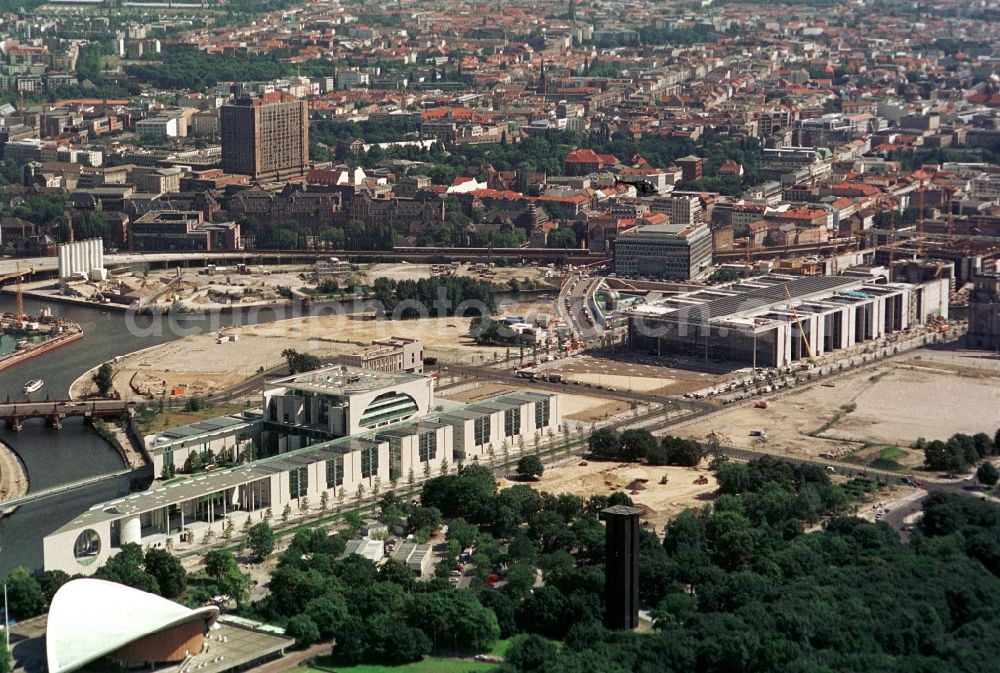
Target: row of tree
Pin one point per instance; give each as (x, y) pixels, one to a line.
(960, 452)
(633, 446)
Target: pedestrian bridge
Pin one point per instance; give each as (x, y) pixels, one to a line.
(54, 411)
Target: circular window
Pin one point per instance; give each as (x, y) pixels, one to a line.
(87, 547)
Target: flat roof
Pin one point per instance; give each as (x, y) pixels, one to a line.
(206, 429)
(211, 482)
(344, 380)
(753, 295)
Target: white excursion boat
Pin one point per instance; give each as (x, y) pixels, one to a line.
(33, 385)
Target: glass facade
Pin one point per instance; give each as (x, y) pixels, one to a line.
(512, 422)
(542, 414)
(298, 482)
(335, 472)
(482, 430)
(428, 446)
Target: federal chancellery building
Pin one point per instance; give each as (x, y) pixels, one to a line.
(340, 431)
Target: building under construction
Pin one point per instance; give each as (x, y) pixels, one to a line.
(775, 320)
(984, 313)
(967, 257)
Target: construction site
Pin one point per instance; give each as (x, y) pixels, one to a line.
(661, 492)
(26, 336)
(875, 412)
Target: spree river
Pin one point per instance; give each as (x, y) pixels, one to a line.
(54, 457)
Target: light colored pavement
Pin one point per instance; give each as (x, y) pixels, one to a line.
(13, 479)
(292, 660)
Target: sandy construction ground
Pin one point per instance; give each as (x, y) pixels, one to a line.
(627, 375)
(201, 366)
(930, 394)
(661, 502)
(586, 408)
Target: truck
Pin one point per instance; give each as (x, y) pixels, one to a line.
(555, 378)
(526, 374)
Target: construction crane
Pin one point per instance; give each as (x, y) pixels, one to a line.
(20, 297)
(892, 240)
(920, 221)
(802, 332)
(951, 218)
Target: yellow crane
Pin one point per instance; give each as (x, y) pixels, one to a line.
(20, 297)
(802, 332)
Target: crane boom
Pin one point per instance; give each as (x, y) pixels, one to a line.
(802, 332)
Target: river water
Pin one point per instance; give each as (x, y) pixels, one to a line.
(55, 457)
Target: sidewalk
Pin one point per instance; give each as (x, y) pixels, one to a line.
(13, 480)
(293, 660)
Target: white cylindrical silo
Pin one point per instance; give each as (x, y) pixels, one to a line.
(131, 530)
(62, 261)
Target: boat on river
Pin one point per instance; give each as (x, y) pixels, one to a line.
(33, 385)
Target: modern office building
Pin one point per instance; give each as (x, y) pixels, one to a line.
(340, 401)
(775, 320)
(670, 251)
(984, 313)
(182, 230)
(265, 136)
(339, 431)
(680, 208)
(395, 354)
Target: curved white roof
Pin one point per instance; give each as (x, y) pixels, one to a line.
(90, 618)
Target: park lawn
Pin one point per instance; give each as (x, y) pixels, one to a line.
(500, 647)
(892, 452)
(427, 665)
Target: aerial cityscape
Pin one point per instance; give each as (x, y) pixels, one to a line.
(455, 336)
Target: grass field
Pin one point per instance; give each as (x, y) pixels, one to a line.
(428, 665)
(500, 648)
(891, 452)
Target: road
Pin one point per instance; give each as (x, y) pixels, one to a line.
(897, 516)
(572, 308)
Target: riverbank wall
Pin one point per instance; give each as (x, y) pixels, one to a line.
(19, 356)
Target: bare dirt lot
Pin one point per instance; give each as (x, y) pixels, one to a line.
(661, 501)
(930, 394)
(196, 289)
(625, 375)
(201, 366)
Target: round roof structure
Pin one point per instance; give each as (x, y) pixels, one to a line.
(91, 618)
